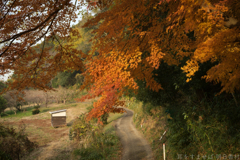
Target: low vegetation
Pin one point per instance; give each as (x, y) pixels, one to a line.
(196, 123)
(3, 105)
(36, 110)
(79, 138)
(101, 147)
(14, 144)
(96, 142)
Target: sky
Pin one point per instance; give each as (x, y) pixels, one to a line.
(5, 77)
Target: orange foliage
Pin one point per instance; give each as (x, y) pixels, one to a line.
(132, 28)
(132, 39)
(23, 24)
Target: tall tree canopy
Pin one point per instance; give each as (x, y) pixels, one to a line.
(136, 36)
(22, 25)
(132, 40)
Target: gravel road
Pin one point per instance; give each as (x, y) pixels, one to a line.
(135, 147)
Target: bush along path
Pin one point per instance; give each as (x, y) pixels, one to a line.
(135, 147)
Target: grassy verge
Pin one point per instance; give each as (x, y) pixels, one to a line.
(101, 144)
(152, 126)
(111, 121)
(104, 146)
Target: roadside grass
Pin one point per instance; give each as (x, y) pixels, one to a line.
(152, 127)
(104, 147)
(103, 144)
(112, 117)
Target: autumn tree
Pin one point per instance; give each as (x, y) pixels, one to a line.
(25, 23)
(134, 37)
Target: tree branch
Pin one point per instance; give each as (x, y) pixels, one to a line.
(33, 29)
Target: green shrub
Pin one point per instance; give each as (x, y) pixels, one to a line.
(14, 144)
(80, 128)
(3, 105)
(36, 107)
(206, 127)
(90, 108)
(95, 144)
(100, 146)
(35, 111)
(201, 123)
(88, 154)
(104, 118)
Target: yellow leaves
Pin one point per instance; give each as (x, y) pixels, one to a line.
(135, 52)
(34, 61)
(204, 53)
(209, 30)
(182, 8)
(188, 80)
(190, 68)
(204, 28)
(135, 59)
(142, 33)
(129, 60)
(219, 48)
(155, 56)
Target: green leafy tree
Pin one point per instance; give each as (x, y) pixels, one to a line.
(2, 85)
(3, 105)
(65, 79)
(79, 79)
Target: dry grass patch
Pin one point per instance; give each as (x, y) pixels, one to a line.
(53, 142)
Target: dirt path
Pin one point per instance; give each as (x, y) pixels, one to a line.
(135, 147)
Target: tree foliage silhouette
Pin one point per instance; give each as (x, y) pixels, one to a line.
(131, 41)
(136, 36)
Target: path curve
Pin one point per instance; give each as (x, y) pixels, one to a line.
(135, 147)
